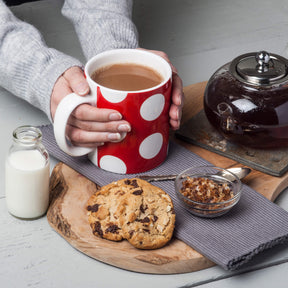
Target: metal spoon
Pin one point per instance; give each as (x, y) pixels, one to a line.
(238, 171)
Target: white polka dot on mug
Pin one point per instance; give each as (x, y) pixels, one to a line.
(146, 109)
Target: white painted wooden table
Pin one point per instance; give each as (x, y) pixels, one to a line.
(199, 36)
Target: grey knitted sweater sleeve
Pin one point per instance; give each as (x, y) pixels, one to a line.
(102, 24)
(29, 69)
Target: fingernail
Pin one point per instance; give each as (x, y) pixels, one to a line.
(124, 128)
(82, 88)
(179, 114)
(115, 116)
(180, 100)
(114, 136)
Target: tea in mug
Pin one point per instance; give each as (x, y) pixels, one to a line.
(127, 77)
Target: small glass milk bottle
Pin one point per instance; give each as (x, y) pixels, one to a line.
(27, 172)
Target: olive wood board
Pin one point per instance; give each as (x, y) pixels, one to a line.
(70, 191)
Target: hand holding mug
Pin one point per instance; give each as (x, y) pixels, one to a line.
(154, 149)
(88, 126)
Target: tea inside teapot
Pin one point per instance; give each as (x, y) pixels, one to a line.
(246, 100)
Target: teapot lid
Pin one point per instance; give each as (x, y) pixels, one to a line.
(260, 68)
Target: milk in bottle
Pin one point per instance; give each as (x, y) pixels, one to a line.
(27, 174)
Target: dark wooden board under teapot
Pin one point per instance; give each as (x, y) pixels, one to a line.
(199, 131)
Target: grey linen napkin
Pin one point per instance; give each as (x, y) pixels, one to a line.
(231, 240)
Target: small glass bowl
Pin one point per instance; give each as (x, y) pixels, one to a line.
(221, 177)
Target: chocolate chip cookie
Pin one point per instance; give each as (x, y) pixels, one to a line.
(132, 209)
(103, 212)
(147, 216)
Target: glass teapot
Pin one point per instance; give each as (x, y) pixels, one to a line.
(246, 100)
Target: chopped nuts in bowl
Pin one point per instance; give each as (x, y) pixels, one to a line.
(208, 191)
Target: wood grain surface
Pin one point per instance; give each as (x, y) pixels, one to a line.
(69, 192)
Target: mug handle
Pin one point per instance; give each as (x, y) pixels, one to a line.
(62, 114)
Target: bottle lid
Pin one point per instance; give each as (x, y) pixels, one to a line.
(260, 68)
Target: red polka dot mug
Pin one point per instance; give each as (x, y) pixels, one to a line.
(146, 145)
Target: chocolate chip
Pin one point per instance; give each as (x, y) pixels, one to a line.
(112, 229)
(131, 232)
(155, 218)
(97, 228)
(132, 182)
(93, 208)
(138, 192)
(143, 208)
(146, 230)
(144, 220)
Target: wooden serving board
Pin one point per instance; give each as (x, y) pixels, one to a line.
(69, 192)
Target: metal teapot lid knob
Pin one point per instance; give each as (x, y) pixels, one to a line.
(261, 68)
(262, 59)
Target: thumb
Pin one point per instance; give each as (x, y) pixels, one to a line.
(76, 80)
